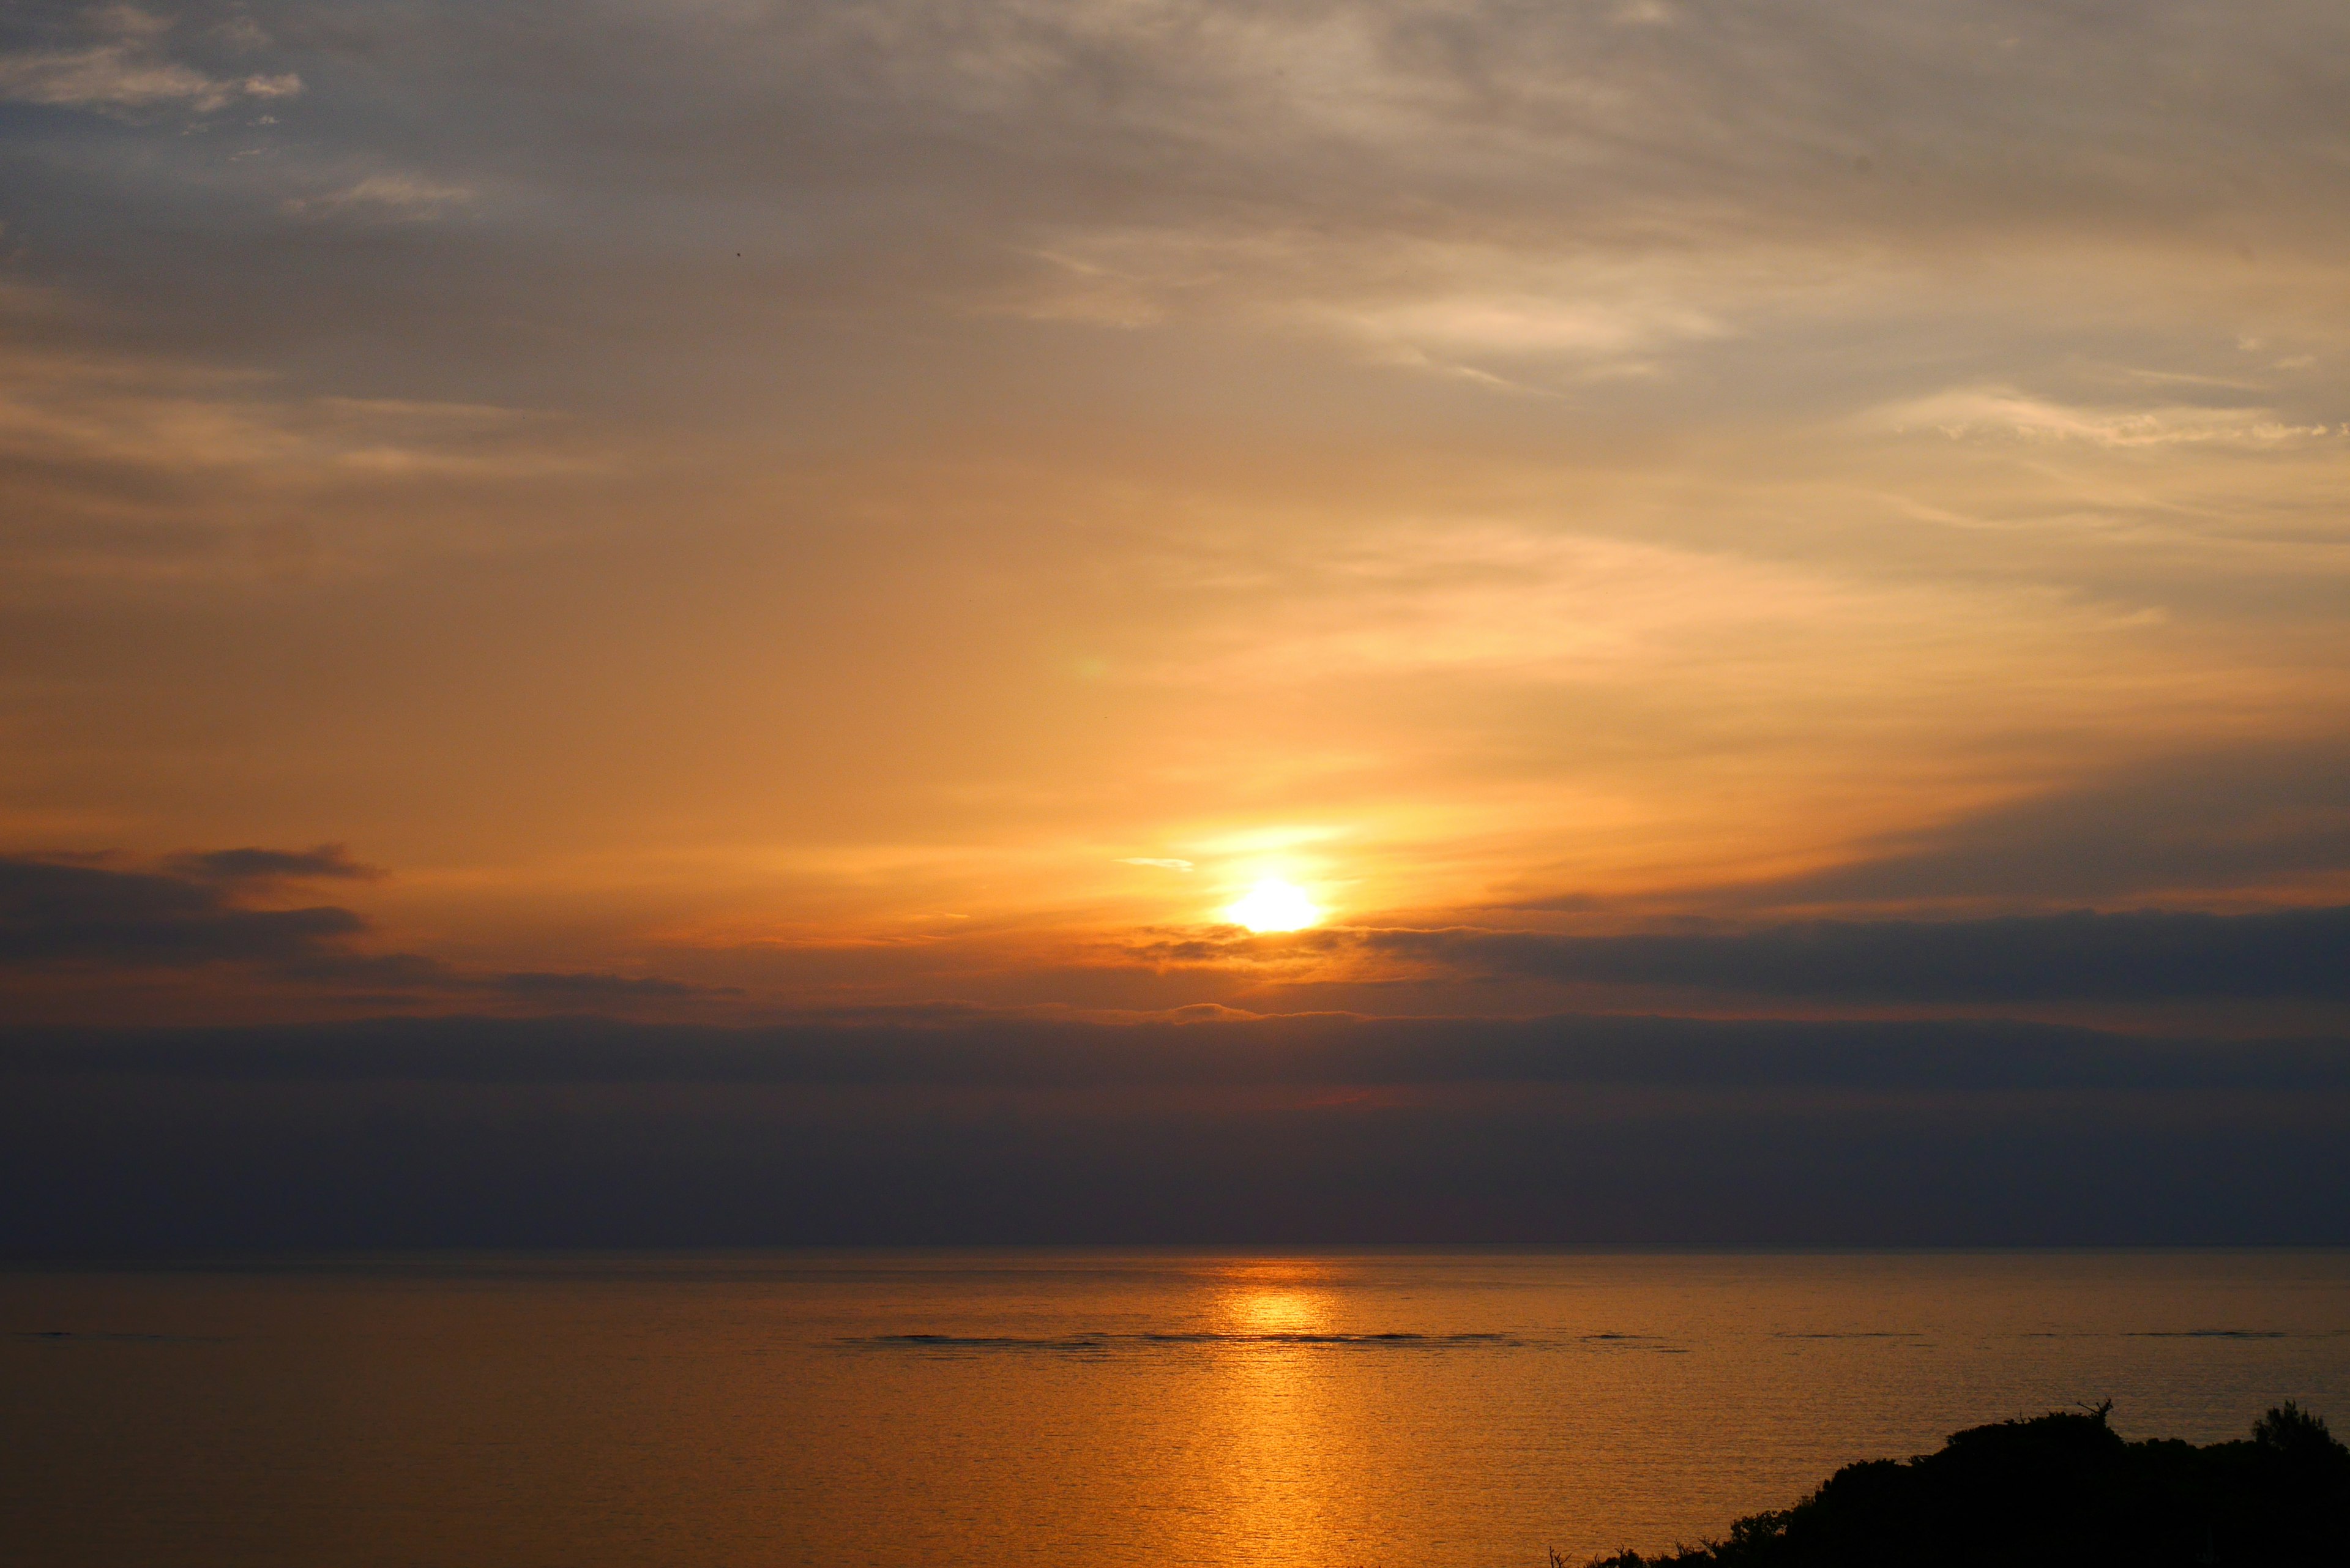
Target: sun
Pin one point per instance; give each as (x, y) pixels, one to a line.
(1273, 905)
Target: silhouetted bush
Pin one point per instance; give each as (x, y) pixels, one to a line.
(2064, 1490)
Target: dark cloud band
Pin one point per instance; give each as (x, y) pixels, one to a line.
(1281, 1132)
(958, 1051)
(191, 916)
(2082, 955)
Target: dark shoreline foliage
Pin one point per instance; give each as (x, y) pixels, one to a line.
(2062, 1489)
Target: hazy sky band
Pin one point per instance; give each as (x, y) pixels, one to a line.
(946, 1051)
(199, 1146)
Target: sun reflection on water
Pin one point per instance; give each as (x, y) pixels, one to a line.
(1276, 1310)
(1275, 1296)
(1279, 1493)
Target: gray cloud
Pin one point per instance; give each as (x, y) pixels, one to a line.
(1371, 158)
(396, 196)
(1464, 106)
(328, 862)
(2222, 821)
(580, 989)
(52, 912)
(123, 69)
(463, 1132)
(2142, 956)
(966, 1049)
(189, 914)
(1528, 195)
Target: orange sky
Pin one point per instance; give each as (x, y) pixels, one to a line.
(808, 503)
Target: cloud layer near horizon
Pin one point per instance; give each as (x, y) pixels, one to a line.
(218, 925)
(945, 1130)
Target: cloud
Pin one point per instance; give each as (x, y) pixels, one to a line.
(965, 1048)
(126, 21)
(573, 988)
(56, 912)
(1435, 303)
(456, 1132)
(243, 33)
(68, 411)
(2143, 955)
(126, 74)
(1164, 865)
(2245, 820)
(127, 467)
(327, 862)
(411, 197)
(1474, 595)
(1520, 326)
(2002, 411)
(191, 914)
(1445, 179)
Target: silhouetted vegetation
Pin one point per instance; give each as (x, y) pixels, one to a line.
(2061, 1488)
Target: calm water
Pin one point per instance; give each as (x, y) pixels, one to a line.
(1088, 1407)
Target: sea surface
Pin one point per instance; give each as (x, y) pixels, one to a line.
(1074, 1407)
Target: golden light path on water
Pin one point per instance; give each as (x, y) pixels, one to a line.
(1060, 1409)
(1286, 1416)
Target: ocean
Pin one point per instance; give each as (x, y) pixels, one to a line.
(1403, 1407)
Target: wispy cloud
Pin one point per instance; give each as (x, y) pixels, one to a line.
(1501, 315)
(2003, 411)
(411, 197)
(126, 69)
(115, 77)
(117, 464)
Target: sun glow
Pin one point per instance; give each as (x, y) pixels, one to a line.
(1273, 905)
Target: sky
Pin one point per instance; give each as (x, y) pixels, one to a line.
(723, 516)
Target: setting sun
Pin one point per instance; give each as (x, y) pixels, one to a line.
(1274, 906)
